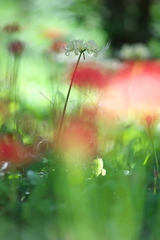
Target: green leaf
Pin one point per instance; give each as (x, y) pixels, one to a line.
(146, 159)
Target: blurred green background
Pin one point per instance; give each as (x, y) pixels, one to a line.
(42, 22)
(123, 21)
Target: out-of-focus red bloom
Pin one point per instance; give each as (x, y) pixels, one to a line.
(149, 120)
(11, 150)
(11, 28)
(79, 139)
(58, 46)
(14, 151)
(90, 76)
(16, 47)
(134, 89)
(89, 113)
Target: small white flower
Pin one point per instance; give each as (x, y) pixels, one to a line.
(134, 51)
(127, 172)
(81, 46)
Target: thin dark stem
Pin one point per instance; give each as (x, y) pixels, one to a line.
(14, 77)
(66, 101)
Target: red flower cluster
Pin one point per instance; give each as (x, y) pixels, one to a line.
(134, 89)
(10, 149)
(14, 151)
(149, 120)
(79, 137)
(90, 76)
(58, 46)
(138, 69)
(16, 48)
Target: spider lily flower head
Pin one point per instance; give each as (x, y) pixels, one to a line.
(134, 51)
(11, 28)
(16, 47)
(57, 46)
(149, 120)
(82, 46)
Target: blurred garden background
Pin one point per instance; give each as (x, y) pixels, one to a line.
(132, 28)
(79, 164)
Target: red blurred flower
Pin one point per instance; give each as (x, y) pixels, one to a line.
(11, 149)
(149, 120)
(135, 88)
(11, 28)
(79, 138)
(14, 151)
(89, 113)
(16, 48)
(90, 76)
(58, 46)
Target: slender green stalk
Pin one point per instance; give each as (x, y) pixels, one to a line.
(154, 151)
(66, 101)
(156, 170)
(13, 86)
(8, 58)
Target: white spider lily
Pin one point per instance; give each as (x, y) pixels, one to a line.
(81, 46)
